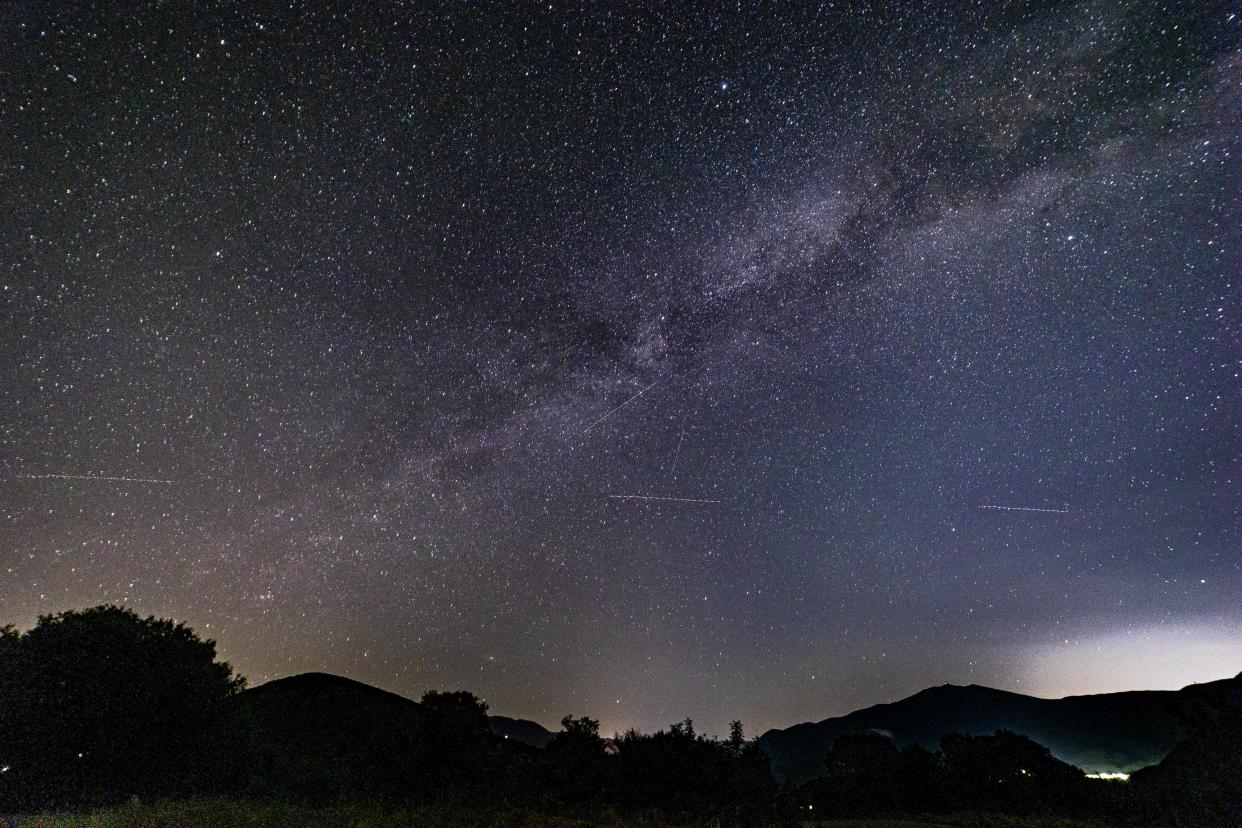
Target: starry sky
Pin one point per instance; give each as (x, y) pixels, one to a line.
(635, 360)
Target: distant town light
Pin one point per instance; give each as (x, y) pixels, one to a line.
(1124, 777)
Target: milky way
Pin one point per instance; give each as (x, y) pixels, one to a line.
(639, 362)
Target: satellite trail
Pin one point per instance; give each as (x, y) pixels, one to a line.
(1026, 509)
(99, 477)
(619, 407)
(672, 499)
(681, 439)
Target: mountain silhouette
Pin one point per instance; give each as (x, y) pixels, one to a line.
(520, 730)
(1107, 732)
(323, 734)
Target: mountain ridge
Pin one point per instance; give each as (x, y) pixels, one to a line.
(1101, 732)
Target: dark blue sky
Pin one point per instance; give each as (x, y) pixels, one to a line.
(641, 362)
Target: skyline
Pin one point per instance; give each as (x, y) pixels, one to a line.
(604, 360)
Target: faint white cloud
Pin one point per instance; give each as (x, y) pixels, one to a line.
(1164, 656)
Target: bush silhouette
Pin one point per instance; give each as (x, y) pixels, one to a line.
(100, 704)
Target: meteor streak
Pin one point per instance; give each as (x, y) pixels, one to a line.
(99, 477)
(673, 499)
(619, 407)
(1026, 509)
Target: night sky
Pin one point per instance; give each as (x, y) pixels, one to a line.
(639, 362)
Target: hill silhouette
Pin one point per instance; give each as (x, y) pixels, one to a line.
(1098, 733)
(520, 730)
(316, 735)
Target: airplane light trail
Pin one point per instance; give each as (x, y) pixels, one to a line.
(99, 477)
(1026, 509)
(619, 407)
(672, 499)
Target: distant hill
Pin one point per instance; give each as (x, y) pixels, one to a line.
(521, 730)
(1105, 732)
(320, 736)
(325, 688)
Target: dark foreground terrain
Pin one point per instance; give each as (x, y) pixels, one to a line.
(109, 719)
(222, 813)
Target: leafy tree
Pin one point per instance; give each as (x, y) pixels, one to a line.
(1007, 771)
(458, 709)
(576, 759)
(861, 755)
(582, 728)
(100, 704)
(460, 752)
(578, 738)
(868, 775)
(683, 728)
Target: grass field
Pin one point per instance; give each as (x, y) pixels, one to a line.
(238, 814)
(224, 813)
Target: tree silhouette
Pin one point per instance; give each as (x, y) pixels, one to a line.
(751, 787)
(1008, 772)
(680, 771)
(460, 752)
(458, 709)
(100, 704)
(578, 739)
(737, 737)
(576, 758)
(863, 777)
(861, 755)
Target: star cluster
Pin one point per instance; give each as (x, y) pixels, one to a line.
(641, 360)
